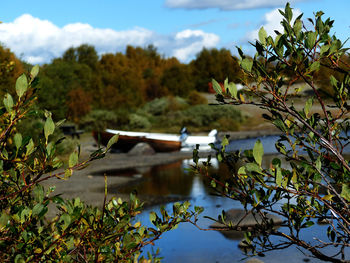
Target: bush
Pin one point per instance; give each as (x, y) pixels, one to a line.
(138, 122)
(195, 98)
(208, 116)
(161, 106)
(157, 106)
(78, 232)
(315, 184)
(99, 120)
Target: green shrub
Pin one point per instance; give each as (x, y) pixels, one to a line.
(99, 120)
(201, 118)
(161, 106)
(78, 232)
(138, 122)
(227, 124)
(33, 126)
(195, 98)
(157, 106)
(309, 181)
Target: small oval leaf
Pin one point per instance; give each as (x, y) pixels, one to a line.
(21, 85)
(262, 36)
(258, 152)
(73, 159)
(49, 127)
(216, 86)
(34, 72)
(112, 141)
(18, 140)
(8, 102)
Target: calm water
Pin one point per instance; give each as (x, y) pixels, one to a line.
(187, 243)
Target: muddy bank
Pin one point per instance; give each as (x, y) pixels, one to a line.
(239, 135)
(88, 183)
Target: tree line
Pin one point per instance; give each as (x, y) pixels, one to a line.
(80, 80)
(77, 82)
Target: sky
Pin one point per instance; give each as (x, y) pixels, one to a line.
(38, 31)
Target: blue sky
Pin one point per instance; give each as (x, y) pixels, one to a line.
(38, 30)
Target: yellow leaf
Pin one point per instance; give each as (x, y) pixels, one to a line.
(241, 97)
(37, 251)
(328, 197)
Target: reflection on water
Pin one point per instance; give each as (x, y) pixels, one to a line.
(188, 244)
(162, 180)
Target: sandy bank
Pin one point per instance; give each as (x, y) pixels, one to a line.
(88, 183)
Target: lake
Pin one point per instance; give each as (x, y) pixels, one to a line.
(187, 243)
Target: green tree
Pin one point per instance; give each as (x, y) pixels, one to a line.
(214, 63)
(10, 69)
(177, 80)
(84, 54)
(315, 185)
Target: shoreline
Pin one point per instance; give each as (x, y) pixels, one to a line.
(88, 183)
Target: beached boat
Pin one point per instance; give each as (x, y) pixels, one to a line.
(160, 142)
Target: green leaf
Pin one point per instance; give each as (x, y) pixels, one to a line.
(318, 163)
(73, 159)
(4, 219)
(112, 141)
(278, 176)
(38, 193)
(345, 192)
(68, 173)
(279, 124)
(66, 221)
(49, 148)
(253, 167)
(308, 106)
(247, 64)
(19, 259)
(49, 127)
(241, 171)
(288, 12)
(298, 25)
(225, 141)
(21, 85)
(226, 84)
(262, 36)
(30, 147)
(310, 40)
(324, 49)
(8, 102)
(315, 66)
(24, 214)
(232, 89)
(258, 152)
(37, 209)
(216, 86)
(18, 140)
(333, 81)
(152, 216)
(34, 72)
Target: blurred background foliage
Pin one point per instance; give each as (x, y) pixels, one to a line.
(138, 89)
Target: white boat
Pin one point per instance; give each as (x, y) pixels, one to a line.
(161, 142)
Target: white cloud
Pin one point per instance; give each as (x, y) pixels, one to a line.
(271, 22)
(192, 41)
(38, 41)
(227, 4)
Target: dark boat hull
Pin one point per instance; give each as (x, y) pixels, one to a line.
(126, 143)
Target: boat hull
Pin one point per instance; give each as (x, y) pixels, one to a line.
(125, 143)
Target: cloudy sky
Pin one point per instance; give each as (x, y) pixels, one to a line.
(39, 30)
